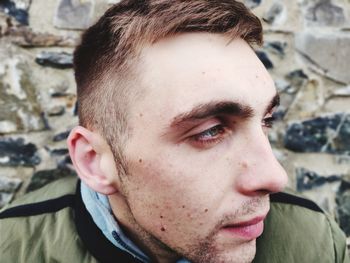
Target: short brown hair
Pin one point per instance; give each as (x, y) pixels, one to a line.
(104, 60)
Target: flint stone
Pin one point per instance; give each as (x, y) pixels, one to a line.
(329, 53)
(297, 77)
(252, 3)
(329, 134)
(10, 8)
(16, 152)
(264, 59)
(61, 136)
(325, 13)
(307, 180)
(73, 14)
(59, 152)
(276, 47)
(59, 60)
(41, 178)
(274, 13)
(343, 206)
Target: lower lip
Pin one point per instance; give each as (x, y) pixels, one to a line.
(247, 232)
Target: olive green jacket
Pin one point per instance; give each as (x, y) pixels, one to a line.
(52, 225)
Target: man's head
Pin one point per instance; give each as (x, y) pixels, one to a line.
(183, 103)
(107, 65)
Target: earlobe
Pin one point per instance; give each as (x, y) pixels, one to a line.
(93, 160)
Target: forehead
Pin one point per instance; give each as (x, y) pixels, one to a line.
(182, 71)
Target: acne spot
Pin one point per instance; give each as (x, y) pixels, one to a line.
(140, 160)
(203, 72)
(141, 114)
(161, 216)
(162, 228)
(206, 210)
(244, 165)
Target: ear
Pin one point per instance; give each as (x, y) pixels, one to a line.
(93, 160)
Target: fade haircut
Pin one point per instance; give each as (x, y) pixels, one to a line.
(106, 59)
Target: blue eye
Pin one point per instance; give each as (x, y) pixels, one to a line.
(210, 135)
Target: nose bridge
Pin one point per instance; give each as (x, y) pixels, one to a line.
(260, 172)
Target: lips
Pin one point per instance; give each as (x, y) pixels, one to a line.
(249, 230)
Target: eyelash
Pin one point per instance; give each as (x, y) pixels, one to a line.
(221, 133)
(269, 122)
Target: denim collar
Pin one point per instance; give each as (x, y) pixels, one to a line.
(100, 210)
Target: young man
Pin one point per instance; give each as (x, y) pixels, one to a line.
(172, 150)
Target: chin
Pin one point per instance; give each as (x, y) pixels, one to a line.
(242, 253)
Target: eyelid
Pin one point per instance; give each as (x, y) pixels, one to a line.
(203, 127)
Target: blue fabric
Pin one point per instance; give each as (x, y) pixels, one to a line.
(100, 210)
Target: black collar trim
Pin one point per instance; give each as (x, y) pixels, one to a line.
(294, 200)
(47, 206)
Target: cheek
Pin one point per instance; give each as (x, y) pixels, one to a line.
(169, 203)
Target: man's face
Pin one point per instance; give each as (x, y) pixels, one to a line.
(200, 164)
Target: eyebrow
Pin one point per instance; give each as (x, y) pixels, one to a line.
(206, 110)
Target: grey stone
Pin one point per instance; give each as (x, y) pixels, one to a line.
(328, 53)
(329, 134)
(273, 14)
(14, 152)
(60, 60)
(26, 37)
(10, 8)
(307, 180)
(325, 13)
(20, 110)
(56, 110)
(60, 90)
(41, 178)
(9, 185)
(73, 14)
(342, 92)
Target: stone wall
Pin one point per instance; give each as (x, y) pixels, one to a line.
(307, 51)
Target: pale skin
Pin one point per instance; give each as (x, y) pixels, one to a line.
(199, 159)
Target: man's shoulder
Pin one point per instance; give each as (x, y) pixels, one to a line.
(298, 230)
(40, 227)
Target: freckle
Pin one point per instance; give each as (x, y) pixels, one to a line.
(141, 114)
(140, 160)
(162, 228)
(183, 206)
(206, 210)
(203, 72)
(161, 216)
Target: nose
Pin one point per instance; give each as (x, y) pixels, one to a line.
(260, 172)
